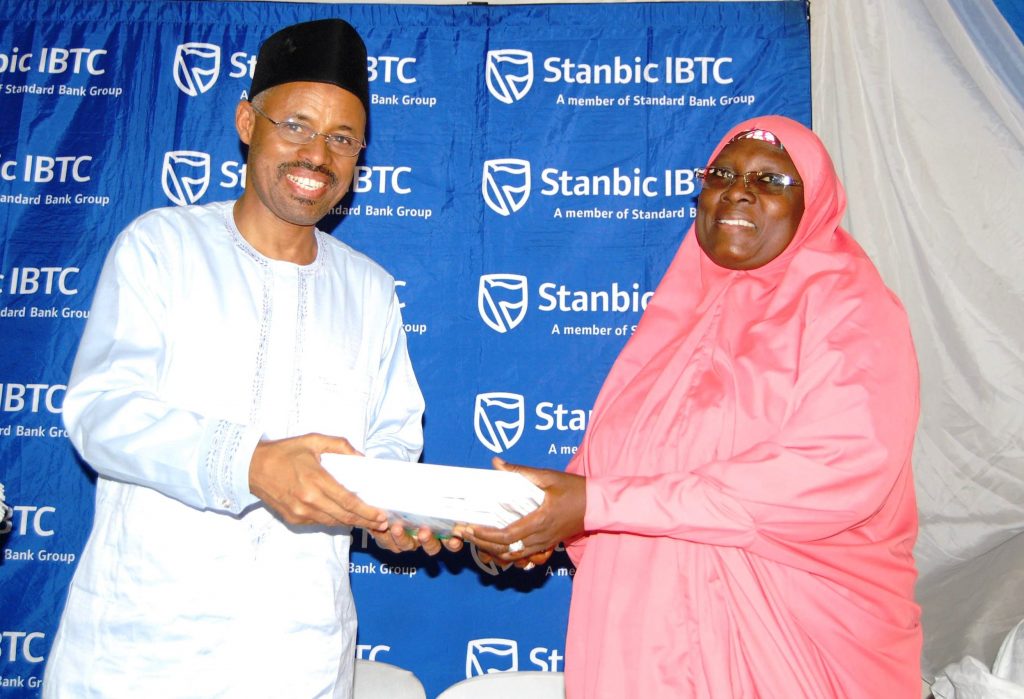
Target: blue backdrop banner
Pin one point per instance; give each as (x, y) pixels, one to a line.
(530, 172)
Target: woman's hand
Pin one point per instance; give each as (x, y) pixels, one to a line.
(532, 538)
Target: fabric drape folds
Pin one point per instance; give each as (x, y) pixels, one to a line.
(750, 508)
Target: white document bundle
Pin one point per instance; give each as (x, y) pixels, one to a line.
(433, 495)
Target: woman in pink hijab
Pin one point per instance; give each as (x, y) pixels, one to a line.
(741, 510)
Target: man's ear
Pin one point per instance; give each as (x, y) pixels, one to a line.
(245, 121)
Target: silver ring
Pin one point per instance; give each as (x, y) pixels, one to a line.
(515, 546)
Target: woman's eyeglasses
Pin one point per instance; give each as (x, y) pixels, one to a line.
(771, 183)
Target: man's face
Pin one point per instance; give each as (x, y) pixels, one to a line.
(300, 183)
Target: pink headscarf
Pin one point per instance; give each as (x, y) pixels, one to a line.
(693, 283)
(692, 280)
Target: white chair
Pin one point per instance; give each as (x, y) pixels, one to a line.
(509, 685)
(376, 680)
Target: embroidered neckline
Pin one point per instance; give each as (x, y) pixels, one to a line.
(242, 244)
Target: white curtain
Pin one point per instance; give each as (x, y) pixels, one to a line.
(920, 103)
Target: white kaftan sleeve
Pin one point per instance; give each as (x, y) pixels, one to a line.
(395, 424)
(112, 410)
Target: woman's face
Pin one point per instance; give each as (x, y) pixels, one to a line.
(739, 228)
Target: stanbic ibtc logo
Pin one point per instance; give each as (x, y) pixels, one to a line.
(509, 74)
(502, 300)
(16, 646)
(186, 175)
(27, 520)
(196, 67)
(498, 420)
(506, 184)
(485, 656)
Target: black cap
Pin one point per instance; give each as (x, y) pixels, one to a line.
(323, 51)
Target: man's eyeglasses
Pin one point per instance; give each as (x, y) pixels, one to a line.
(771, 183)
(294, 132)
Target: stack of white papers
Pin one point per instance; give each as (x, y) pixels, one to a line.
(436, 496)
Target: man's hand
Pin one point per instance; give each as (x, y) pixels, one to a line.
(396, 539)
(286, 475)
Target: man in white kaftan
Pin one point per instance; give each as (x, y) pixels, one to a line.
(230, 345)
